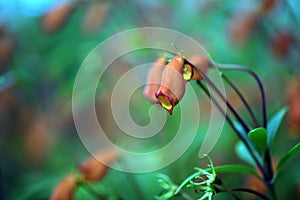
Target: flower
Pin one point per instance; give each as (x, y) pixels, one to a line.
(154, 78)
(65, 189)
(172, 86)
(94, 170)
(200, 62)
(166, 83)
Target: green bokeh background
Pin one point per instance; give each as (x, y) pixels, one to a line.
(37, 82)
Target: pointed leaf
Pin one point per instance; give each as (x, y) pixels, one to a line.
(285, 158)
(274, 123)
(242, 153)
(258, 137)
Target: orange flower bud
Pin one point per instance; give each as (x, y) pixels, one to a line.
(65, 189)
(93, 169)
(199, 61)
(94, 16)
(154, 78)
(172, 86)
(55, 18)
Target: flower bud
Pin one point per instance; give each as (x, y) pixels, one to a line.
(200, 62)
(95, 168)
(154, 78)
(172, 85)
(65, 189)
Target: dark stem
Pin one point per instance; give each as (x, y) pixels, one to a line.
(226, 189)
(212, 85)
(238, 92)
(272, 191)
(259, 83)
(250, 191)
(268, 176)
(228, 119)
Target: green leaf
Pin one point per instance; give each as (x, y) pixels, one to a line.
(235, 169)
(285, 158)
(243, 153)
(258, 137)
(274, 123)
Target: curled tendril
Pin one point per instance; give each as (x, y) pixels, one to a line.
(202, 180)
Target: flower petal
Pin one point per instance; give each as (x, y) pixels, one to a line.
(172, 85)
(200, 62)
(65, 189)
(154, 78)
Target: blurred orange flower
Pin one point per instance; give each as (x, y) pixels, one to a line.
(65, 189)
(93, 169)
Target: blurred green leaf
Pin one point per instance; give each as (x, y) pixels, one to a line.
(258, 137)
(242, 153)
(293, 151)
(236, 169)
(274, 123)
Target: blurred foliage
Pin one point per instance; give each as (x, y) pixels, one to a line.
(43, 45)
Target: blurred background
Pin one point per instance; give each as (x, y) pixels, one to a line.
(44, 42)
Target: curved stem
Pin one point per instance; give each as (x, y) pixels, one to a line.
(212, 85)
(267, 159)
(259, 83)
(250, 191)
(242, 99)
(228, 119)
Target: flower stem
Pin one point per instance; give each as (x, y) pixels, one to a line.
(212, 85)
(272, 191)
(242, 99)
(268, 176)
(258, 81)
(228, 119)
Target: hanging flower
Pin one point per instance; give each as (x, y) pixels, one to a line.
(172, 85)
(154, 78)
(65, 189)
(200, 62)
(93, 169)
